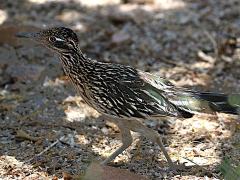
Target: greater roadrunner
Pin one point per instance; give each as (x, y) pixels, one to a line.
(124, 94)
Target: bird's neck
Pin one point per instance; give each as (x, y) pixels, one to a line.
(72, 60)
(76, 66)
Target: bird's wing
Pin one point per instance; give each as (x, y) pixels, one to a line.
(182, 98)
(145, 95)
(128, 93)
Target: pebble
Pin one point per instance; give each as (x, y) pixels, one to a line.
(120, 37)
(105, 130)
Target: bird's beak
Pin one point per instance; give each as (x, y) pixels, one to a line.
(31, 35)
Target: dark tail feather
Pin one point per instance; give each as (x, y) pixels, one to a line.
(185, 114)
(229, 104)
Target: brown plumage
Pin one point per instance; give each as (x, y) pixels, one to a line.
(124, 94)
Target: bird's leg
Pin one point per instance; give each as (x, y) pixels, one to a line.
(126, 142)
(154, 137)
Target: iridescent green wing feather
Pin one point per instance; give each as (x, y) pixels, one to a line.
(148, 99)
(181, 98)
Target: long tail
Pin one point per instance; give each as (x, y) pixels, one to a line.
(229, 104)
(190, 103)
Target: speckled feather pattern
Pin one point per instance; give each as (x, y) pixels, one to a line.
(124, 92)
(116, 90)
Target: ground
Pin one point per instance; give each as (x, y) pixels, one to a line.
(194, 44)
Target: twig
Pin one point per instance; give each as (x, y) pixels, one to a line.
(205, 57)
(23, 135)
(193, 162)
(199, 166)
(213, 41)
(210, 37)
(46, 149)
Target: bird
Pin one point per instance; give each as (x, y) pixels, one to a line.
(127, 96)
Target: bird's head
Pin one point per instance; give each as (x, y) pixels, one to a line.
(59, 39)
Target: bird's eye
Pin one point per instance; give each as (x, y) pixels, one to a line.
(52, 39)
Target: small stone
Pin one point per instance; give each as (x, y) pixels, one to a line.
(120, 37)
(69, 140)
(104, 130)
(74, 114)
(140, 1)
(69, 16)
(94, 3)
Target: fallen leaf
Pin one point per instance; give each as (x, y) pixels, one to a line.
(23, 135)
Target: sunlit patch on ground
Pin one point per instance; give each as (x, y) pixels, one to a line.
(10, 167)
(39, 108)
(3, 16)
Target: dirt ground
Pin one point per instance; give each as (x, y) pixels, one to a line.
(194, 44)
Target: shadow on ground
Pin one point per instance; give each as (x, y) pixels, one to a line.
(175, 41)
